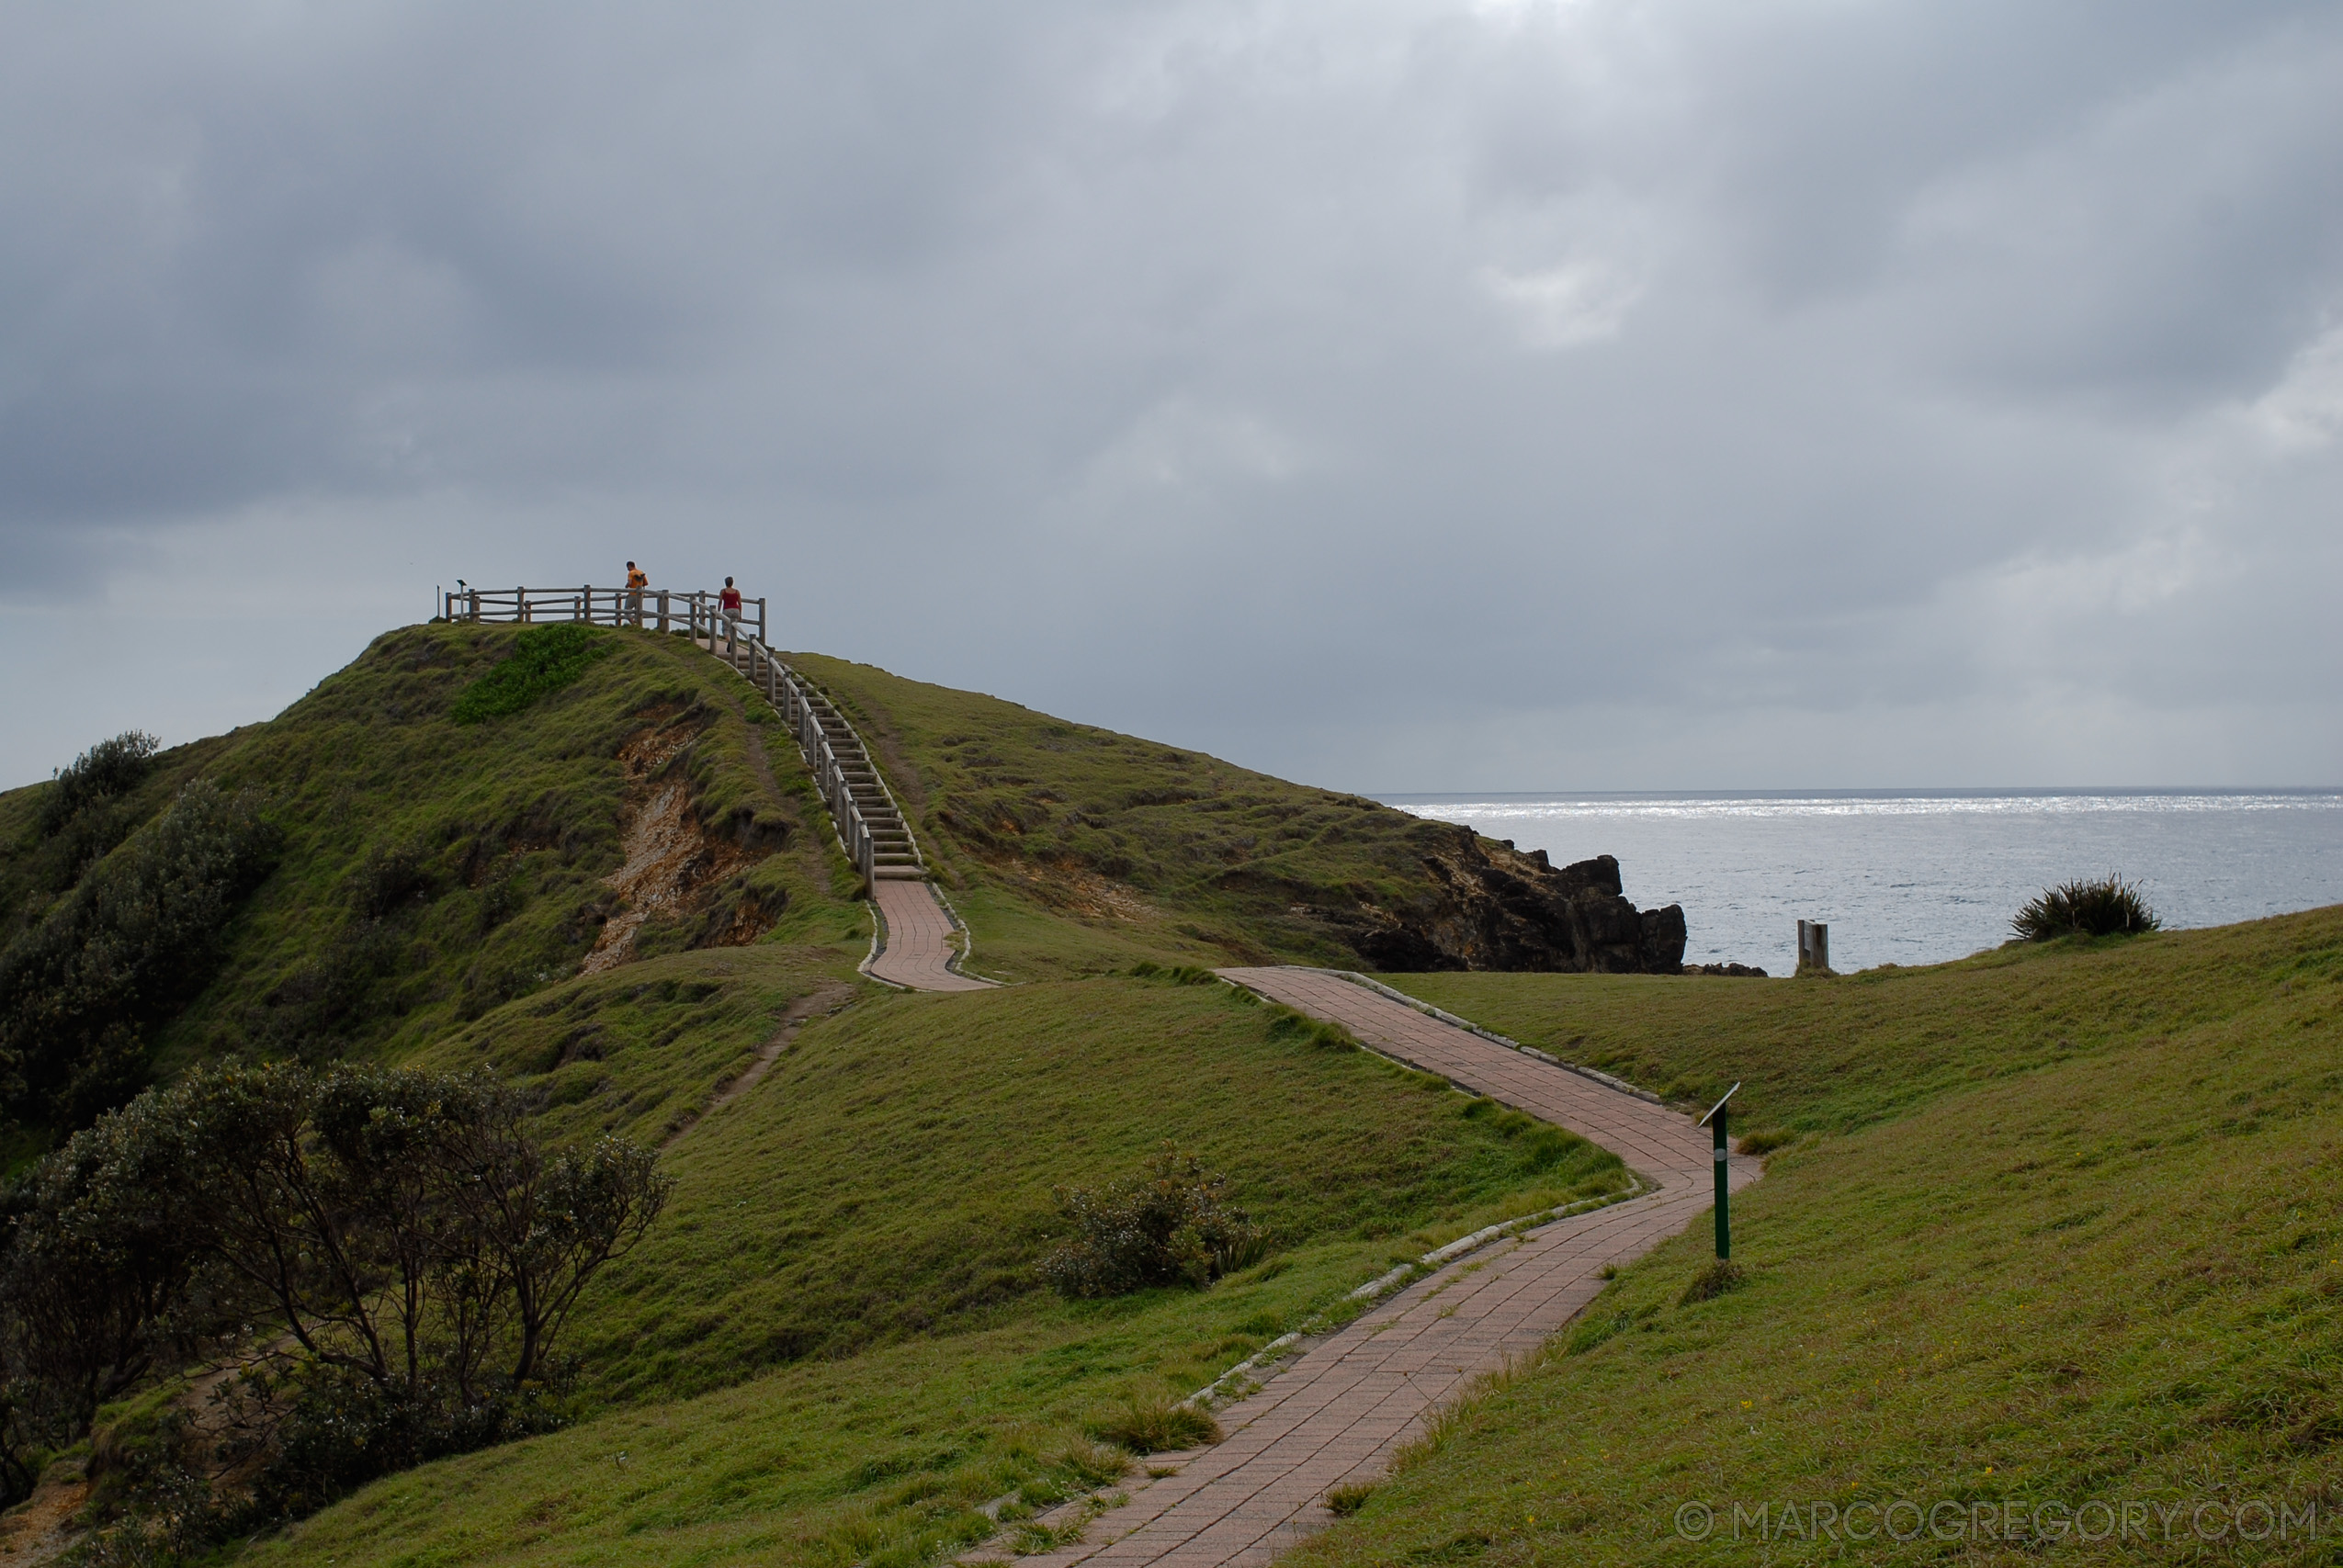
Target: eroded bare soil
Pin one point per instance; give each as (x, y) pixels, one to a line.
(672, 862)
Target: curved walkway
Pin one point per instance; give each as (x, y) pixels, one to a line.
(917, 954)
(1335, 1413)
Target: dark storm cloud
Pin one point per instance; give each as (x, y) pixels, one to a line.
(1375, 387)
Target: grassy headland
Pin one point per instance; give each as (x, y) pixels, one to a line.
(2052, 1222)
(1075, 848)
(2066, 1231)
(862, 1230)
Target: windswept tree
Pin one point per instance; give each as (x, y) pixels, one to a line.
(405, 1235)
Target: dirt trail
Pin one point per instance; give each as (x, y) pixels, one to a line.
(818, 1003)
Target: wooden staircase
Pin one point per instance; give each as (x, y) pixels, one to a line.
(893, 852)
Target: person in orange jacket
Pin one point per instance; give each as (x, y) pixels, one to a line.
(637, 581)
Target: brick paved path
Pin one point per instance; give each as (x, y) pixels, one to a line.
(919, 952)
(1335, 1414)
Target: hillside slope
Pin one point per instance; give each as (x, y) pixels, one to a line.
(858, 1236)
(2086, 1281)
(428, 871)
(1156, 851)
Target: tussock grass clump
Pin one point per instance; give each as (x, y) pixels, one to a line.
(1344, 1501)
(1158, 1428)
(543, 660)
(1166, 1227)
(1765, 1140)
(1284, 1024)
(2108, 906)
(1177, 973)
(1713, 1282)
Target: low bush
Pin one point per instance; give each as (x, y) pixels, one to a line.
(402, 1249)
(110, 768)
(2108, 906)
(1166, 1227)
(1158, 1428)
(141, 933)
(1713, 1282)
(543, 660)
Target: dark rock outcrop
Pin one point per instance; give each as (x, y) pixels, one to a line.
(1492, 906)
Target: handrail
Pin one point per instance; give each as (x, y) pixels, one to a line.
(647, 607)
(700, 614)
(798, 701)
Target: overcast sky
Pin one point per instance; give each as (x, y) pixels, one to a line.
(1397, 396)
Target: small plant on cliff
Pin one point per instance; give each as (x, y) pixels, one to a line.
(2106, 907)
(543, 660)
(1166, 1227)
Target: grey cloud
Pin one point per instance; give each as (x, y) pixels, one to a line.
(1400, 365)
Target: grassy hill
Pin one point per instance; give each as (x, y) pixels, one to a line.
(430, 871)
(2005, 1257)
(861, 1231)
(1076, 847)
(853, 1242)
(2050, 1223)
(2065, 1228)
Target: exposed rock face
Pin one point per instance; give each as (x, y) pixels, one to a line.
(1495, 907)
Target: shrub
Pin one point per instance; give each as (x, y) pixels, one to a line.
(408, 1250)
(2107, 907)
(110, 768)
(1158, 1428)
(140, 934)
(543, 660)
(1165, 1226)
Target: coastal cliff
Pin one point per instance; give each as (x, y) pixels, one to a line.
(1487, 906)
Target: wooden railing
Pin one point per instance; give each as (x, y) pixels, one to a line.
(654, 608)
(799, 706)
(701, 615)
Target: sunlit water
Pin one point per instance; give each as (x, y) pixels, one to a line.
(1919, 877)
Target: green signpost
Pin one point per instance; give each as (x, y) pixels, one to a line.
(1715, 1120)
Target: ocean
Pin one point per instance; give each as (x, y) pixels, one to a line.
(1920, 876)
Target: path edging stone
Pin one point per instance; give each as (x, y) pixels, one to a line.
(1407, 1274)
(1469, 1027)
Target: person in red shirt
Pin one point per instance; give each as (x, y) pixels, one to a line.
(730, 603)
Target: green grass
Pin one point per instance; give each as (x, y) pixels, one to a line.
(2111, 1273)
(1075, 849)
(862, 1229)
(542, 661)
(892, 1176)
(507, 829)
(640, 1049)
(2056, 1221)
(1831, 1054)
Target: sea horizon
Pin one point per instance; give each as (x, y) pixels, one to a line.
(1922, 875)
